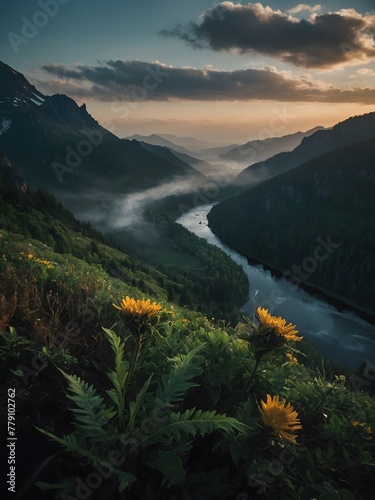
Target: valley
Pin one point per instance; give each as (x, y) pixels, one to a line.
(143, 351)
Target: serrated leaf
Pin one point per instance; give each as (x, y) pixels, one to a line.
(91, 411)
(179, 379)
(192, 422)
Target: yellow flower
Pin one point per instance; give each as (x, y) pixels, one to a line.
(30, 256)
(277, 324)
(184, 320)
(292, 359)
(364, 428)
(138, 308)
(281, 417)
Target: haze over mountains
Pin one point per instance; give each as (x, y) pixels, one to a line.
(57, 144)
(258, 150)
(350, 131)
(327, 203)
(183, 144)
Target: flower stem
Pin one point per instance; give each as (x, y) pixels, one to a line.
(249, 380)
(134, 361)
(252, 375)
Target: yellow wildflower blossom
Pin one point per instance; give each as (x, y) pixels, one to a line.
(281, 417)
(138, 308)
(278, 324)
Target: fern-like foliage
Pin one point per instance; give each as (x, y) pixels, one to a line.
(119, 375)
(75, 445)
(174, 386)
(91, 413)
(191, 422)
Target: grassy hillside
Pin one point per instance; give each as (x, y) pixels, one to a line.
(185, 422)
(315, 224)
(187, 270)
(152, 400)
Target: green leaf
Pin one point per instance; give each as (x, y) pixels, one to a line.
(35, 474)
(119, 375)
(178, 381)
(66, 486)
(170, 465)
(78, 446)
(91, 413)
(192, 422)
(135, 405)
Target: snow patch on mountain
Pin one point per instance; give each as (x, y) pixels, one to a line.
(4, 125)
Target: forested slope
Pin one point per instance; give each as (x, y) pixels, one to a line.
(315, 223)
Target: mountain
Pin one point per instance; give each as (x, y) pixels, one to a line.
(157, 140)
(58, 145)
(184, 145)
(314, 224)
(201, 166)
(350, 131)
(191, 143)
(259, 150)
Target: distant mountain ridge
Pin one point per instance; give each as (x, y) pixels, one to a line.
(350, 131)
(184, 144)
(259, 150)
(157, 140)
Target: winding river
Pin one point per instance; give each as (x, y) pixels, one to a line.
(337, 334)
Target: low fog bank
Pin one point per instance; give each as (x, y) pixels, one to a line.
(111, 213)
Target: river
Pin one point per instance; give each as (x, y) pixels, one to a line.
(337, 334)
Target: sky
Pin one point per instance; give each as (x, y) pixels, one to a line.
(220, 71)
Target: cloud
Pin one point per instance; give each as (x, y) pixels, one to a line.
(138, 81)
(324, 41)
(303, 7)
(362, 73)
(366, 72)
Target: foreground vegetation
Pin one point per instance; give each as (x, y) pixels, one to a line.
(121, 393)
(162, 402)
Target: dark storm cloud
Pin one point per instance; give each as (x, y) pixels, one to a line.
(322, 41)
(141, 81)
